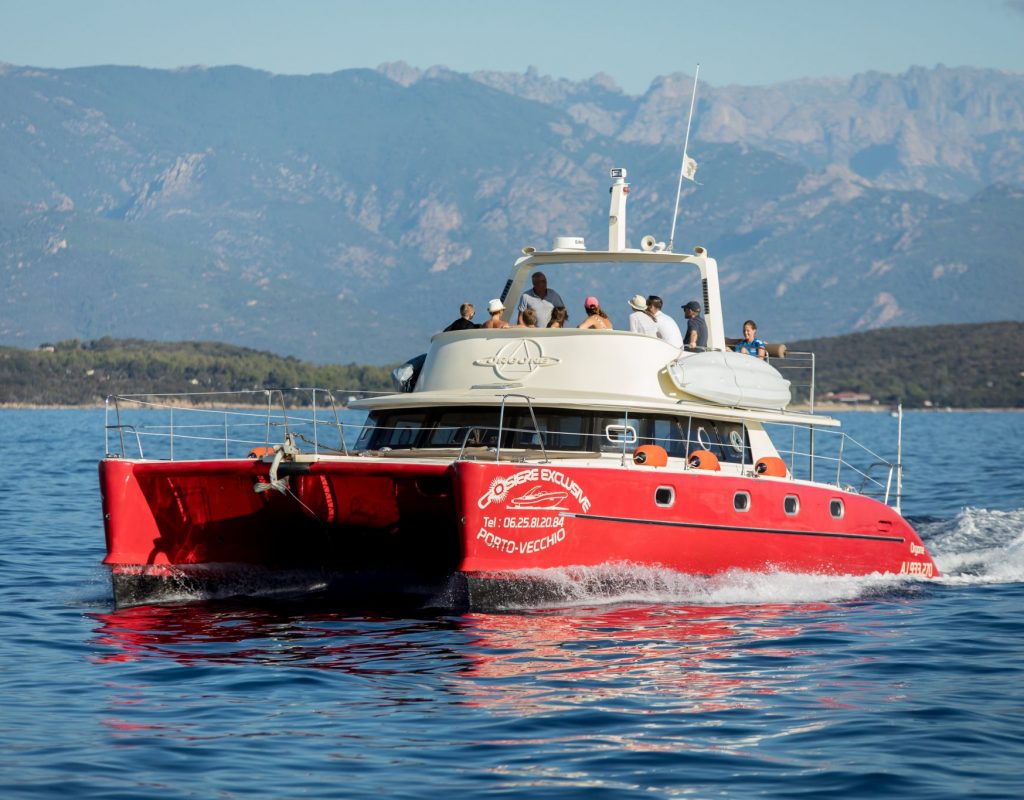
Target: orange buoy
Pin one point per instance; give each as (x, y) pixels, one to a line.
(650, 455)
(771, 466)
(259, 452)
(704, 459)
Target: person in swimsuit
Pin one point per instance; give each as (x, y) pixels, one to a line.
(494, 308)
(596, 318)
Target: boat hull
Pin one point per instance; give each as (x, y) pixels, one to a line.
(452, 535)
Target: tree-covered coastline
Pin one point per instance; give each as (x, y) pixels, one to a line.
(962, 366)
(73, 372)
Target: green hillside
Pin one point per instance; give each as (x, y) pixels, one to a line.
(964, 366)
(83, 373)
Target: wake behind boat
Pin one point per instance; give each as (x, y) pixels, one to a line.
(511, 455)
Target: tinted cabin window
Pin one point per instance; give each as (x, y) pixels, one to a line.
(791, 505)
(727, 440)
(614, 433)
(391, 430)
(451, 429)
(562, 431)
(566, 430)
(835, 508)
(741, 501)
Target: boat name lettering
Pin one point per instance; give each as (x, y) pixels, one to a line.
(916, 549)
(521, 548)
(498, 491)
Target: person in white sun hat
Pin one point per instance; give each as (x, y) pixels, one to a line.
(494, 308)
(641, 321)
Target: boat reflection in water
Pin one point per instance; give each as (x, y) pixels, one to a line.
(701, 658)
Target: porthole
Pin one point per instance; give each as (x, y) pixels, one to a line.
(741, 501)
(835, 508)
(791, 505)
(664, 496)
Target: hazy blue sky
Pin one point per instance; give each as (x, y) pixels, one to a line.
(736, 41)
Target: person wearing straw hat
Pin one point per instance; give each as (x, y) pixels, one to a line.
(641, 321)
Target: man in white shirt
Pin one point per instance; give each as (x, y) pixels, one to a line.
(667, 327)
(541, 299)
(641, 321)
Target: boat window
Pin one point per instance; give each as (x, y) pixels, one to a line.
(664, 496)
(562, 431)
(835, 508)
(791, 505)
(451, 429)
(727, 440)
(741, 501)
(391, 430)
(670, 434)
(614, 432)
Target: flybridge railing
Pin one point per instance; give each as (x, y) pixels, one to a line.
(208, 425)
(798, 368)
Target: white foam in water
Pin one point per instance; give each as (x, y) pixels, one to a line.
(625, 583)
(978, 546)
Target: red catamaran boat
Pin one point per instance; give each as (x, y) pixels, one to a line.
(512, 462)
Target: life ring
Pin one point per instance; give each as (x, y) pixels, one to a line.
(650, 455)
(703, 459)
(771, 467)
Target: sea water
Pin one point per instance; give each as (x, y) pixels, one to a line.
(741, 686)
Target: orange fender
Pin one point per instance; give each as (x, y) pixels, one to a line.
(771, 467)
(704, 459)
(650, 455)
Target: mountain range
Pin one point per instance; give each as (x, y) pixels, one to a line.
(345, 217)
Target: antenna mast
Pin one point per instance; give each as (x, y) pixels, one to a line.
(682, 167)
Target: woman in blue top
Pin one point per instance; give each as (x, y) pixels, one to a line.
(750, 344)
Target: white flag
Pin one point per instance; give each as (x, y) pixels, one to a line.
(689, 168)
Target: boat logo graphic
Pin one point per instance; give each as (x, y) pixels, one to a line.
(517, 360)
(539, 498)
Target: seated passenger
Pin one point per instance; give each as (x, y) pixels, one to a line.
(750, 344)
(596, 318)
(465, 320)
(494, 308)
(528, 319)
(641, 320)
(559, 316)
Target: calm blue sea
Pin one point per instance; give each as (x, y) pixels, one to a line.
(745, 686)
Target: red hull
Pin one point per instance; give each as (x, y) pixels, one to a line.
(427, 522)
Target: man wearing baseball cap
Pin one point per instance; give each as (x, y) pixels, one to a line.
(695, 339)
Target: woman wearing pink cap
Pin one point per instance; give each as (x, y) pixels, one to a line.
(596, 318)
